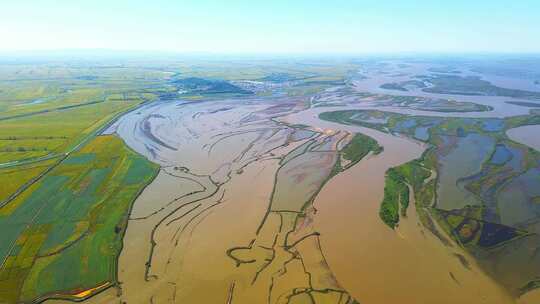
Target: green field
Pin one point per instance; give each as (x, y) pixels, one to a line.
(72, 219)
(49, 110)
(65, 192)
(14, 178)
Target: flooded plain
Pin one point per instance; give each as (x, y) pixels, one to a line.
(200, 234)
(253, 205)
(368, 257)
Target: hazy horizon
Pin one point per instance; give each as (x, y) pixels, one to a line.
(279, 27)
(277, 152)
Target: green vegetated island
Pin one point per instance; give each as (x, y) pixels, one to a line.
(457, 85)
(473, 181)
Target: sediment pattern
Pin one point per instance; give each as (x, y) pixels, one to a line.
(267, 174)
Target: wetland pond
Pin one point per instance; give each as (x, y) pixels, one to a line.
(527, 135)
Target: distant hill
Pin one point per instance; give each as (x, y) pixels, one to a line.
(208, 86)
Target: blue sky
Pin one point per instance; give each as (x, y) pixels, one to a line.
(293, 26)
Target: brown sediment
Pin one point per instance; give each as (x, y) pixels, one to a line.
(286, 257)
(376, 264)
(532, 297)
(195, 233)
(242, 213)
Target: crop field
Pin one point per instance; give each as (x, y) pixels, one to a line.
(47, 111)
(73, 218)
(13, 178)
(65, 193)
(54, 132)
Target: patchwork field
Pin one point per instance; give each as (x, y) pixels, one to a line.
(64, 193)
(72, 218)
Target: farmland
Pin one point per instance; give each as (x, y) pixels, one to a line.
(49, 111)
(53, 167)
(93, 188)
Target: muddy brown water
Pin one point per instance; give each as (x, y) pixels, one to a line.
(213, 193)
(371, 261)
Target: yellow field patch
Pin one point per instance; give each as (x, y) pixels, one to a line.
(14, 178)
